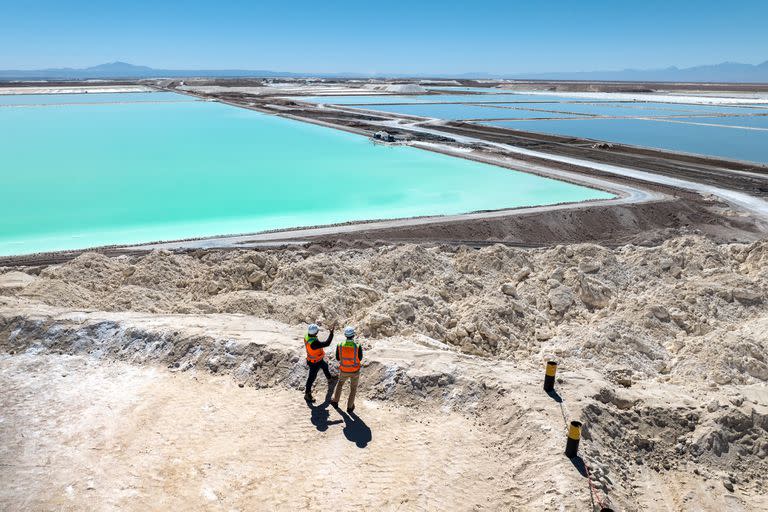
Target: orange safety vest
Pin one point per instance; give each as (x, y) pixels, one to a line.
(349, 361)
(313, 355)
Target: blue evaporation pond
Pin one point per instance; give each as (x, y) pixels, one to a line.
(113, 97)
(736, 121)
(621, 109)
(456, 111)
(721, 109)
(749, 145)
(600, 110)
(78, 176)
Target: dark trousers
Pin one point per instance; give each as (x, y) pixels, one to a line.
(313, 369)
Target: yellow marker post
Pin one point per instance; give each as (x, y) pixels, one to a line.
(549, 376)
(574, 435)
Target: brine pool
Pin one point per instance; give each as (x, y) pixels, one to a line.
(736, 132)
(121, 169)
(735, 138)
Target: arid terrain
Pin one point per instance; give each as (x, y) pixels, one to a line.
(170, 375)
(136, 362)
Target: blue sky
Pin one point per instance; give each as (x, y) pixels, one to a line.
(390, 36)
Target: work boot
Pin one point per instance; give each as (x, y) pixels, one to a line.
(308, 397)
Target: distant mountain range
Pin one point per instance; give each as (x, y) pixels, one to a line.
(125, 70)
(724, 72)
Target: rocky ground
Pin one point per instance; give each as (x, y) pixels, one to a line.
(662, 350)
(666, 312)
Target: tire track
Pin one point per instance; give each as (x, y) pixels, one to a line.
(156, 440)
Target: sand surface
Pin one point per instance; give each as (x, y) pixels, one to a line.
(80, 435)
(662, 353)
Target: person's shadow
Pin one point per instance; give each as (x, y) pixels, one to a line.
(355, 429)
(319, 413)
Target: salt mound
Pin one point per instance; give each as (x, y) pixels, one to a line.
(405, 89)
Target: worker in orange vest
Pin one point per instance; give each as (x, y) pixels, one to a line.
(316, 357)
(349, 353)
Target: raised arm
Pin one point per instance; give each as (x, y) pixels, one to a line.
(322, 344)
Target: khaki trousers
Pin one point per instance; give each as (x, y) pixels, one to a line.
(353, 378)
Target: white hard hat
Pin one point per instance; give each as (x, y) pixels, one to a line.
(313, 329)
(349, 331)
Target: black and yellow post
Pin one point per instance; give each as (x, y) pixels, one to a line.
(574, 434)
(549, 376)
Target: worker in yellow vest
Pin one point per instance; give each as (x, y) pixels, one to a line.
(316, 357)
(349, 353)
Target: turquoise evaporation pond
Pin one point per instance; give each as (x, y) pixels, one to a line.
(436, 98)
(750, 145)
(122, 97)
(78, 176)
(453, 111)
